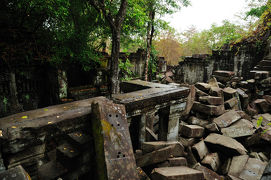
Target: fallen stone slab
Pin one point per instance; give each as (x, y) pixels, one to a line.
(192, 131)
(212, 127)
(179, 172)
(243, 98)
(229, 93)
(212, 100)
(267, 172)
(177, 148)
(200, 93)
(177, 161)
(253, 170)
(16, 173)
(213, 82)
(208, 173)
(191, 159)
(212, 160)
(161, 155)
(186, 142)
(197, 121)
(263, 106)
(208, 109)
(231, 104)
(224, 73)
(240, 128)
(203, 87)
(225, 144)
(227, 119)
(216, 91)
(200, 149)
(154, 157)
(237, 165)
(150, 135)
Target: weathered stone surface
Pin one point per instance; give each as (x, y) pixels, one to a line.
(192, 131)
(200, 149)
(215, 91)
(267, 172)
(51, 170)
(212, 100)
(180, 172)
(16, 173)
(203, 87)
(213, 82)
(229, 93)
(208, 174)
(263, 106)
(160, 155)
(191, 159)
(243, 98)
(253, 170)
(154, 157)
(178, 161)
(150, 135)
(227, 119)
(177, 148)
(212, 160)
(231, 104)
(267, 98)
(224, 73)
(196, 121)
(240, 128)
(186, 142)
(225, 144)
(237, 165)
(230, 177)
(208, 109)
(212, 127)
(244, 115)
(200, 93)
(190, 100)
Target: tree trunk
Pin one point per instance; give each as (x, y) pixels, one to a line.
(150, 31)
(115, 88)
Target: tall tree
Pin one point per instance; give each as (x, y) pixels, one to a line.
(114, 13)
(158, 7)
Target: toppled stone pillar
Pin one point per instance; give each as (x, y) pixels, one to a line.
(114, 153)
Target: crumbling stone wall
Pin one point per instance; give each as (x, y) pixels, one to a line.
(199, 68)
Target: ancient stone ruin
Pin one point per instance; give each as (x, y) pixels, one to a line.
(217, 127)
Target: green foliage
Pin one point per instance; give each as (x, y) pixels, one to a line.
(257, 11)
(259, 123)
(125, 70)
(5, 102)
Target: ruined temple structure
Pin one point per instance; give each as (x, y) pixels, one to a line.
(218, 127)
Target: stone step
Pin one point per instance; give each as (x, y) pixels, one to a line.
(178, 172)
(265, 62)
(258, 74)
(263, 68)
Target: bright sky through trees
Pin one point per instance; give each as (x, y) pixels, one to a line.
(203, 13)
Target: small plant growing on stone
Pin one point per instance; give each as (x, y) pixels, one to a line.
(259, 123)
(5, 102)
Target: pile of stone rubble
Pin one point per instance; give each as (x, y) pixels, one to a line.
(224, 134)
